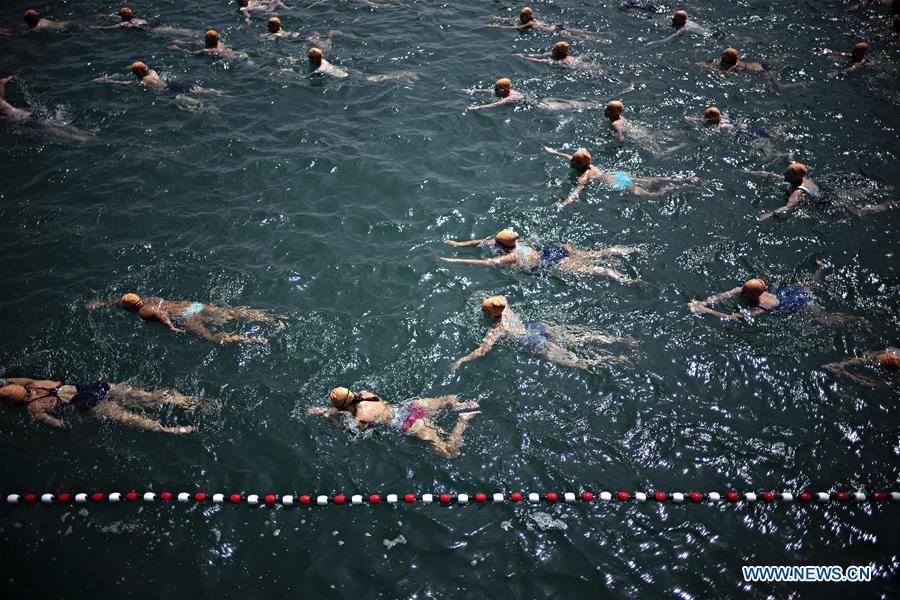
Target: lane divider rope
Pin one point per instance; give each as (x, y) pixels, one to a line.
(460, 499)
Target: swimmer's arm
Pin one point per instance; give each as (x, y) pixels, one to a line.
(161, 316)
(666, 39)
(550, 150)
(840, 369)
(490, 339)
(573, 195)
(44, 417)
(113, 81)
(466, 244)
(793, 201)
(761, 173)
(705, 64)
(185, 50)
(500, 102)
(479, 91)
(538, 58)
(486, 262)
(620, 132)
(95, 304)
(851, 70)
(702, 306)
(25, 382)
(332, 415)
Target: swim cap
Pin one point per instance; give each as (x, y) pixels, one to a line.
(507, 238)
(615, 107)
(712, 114)
(139, 69)
(754, 287)
(341, 397)
(797, 170)
(315, 54)
(494, 306)
(131, 302)
(126, 13)
(680, 16)
(561, 49)
(861, 47)
(526, 11)
(581, 159)
(13, 394)
(32, 17)
(504, 83)
(212, 38)
(889, 360)
(275, 22)
(730, 56)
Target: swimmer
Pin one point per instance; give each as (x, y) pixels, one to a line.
(761, 140)
(275, 30)
(801, 187)
(128, 21)
(629, 6)
(194, 317)
(555, 257)
(634, 132)
(213, 46)
(888, 361)
(784, 300)
(865, 3)
(148, 78)
(29, 119)
(508, 96)
(527, 22)
(546, 341)
(618, 181)
(36, 23)
(360, 410)
(560, 56)
(321, 66)
(246, 7)
(730, 62)
(48, 401)
(859, 56)
(682, 25)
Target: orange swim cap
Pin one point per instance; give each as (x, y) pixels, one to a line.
(526, 10)
(126, 13)
(507, 238)
(616, 107)
(13, 394)
(211, 38)
(889, 361)
(753, 289)
(797, 170)
(315, 54)
(131, 302)
(494, 306)
(341, 397)
(561, 49)
(581, 159)
(138, 68)
(730, 56)
(712, 114)
(32, 17)
(680, 15)
(861, 47)
(275, 22)
(504, 83)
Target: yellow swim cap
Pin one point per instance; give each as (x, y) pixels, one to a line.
(131, 302)
(616, 107)
(561, 49)
(507, 238)
(889, 360)
(315, 54)
(494, 306)
(341, 397)
(581, 159)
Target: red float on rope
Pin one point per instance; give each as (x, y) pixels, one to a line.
(879, 496)
(552, 497)
(165, 496)
(270, 499)
(732, 496)
(623, 496)
(445, 498)
(515, 497)
(659, 496)
(30, 498)
(842, 496)
(305, 500)
(374, 499)
(804, 497)
(340, 499)
(480, 498)
(587, 496)
(234, 498)
(64, 497)
(97, 497)
(131, 496)
(768, 496)
(696, 497)
(199, 496)
(409, 498)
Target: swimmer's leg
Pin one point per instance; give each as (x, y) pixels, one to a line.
(113, 412)
(877, 208)
(432, 406)
(588, 269)
(827, 318)
(818, 277)
(124, 394)
(408, 76)
(557, 105)
(67, 132)
(615, 251)
(577, 335)
(195, 326)
(431, 434)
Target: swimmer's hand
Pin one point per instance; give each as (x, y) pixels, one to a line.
(453, 243)
(317, 410)
(10, 79)
(696, 306)
(185, 430)
(455, 366)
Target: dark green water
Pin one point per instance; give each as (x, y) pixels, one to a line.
(327, 203)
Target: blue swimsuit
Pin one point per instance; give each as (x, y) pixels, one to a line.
(193, 309)
(552, 255)
(790, 299)
(536, 337)
(622, 181)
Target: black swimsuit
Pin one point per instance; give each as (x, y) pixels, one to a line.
(87, 395)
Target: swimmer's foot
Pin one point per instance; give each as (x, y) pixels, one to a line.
(468, 416)
(184, 430)
(190, 403)
(466, 405)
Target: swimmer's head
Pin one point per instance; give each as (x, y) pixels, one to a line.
(32, 18)
(795, 173)
(126, 13)
(752, 290)
(506, 238)
(712, 116)
(211, 38)
(889, 361)
(679, 19)
(581, 160)
(614, 108)
(341, 398)
(859, 51)
(503, 87)
(730, 57)
(274, 25)
(13, 394)
(131, 302)
(315, 56)
(560, 50)
(525, 15)
(140, 71)
(494, 306)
